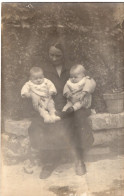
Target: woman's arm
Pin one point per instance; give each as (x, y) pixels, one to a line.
(88, 88)
(52, 89)
(66, 91)
(90, 85)
(25, 92)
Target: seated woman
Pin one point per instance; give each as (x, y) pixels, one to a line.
(71, 132)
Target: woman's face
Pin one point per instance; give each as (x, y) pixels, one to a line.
(55, 55)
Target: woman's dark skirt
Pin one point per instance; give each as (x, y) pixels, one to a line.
(70, 132)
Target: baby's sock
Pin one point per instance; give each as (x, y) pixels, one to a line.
(55, 117)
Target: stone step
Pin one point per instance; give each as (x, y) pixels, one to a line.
(17, 127)
(105, 137)
(101, 137)
(106, 121)
(107, 130)
(97, 121)
(16, 148)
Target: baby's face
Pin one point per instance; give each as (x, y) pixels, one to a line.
(76, 76)
(37, 78)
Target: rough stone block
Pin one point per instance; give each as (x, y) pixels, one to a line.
(97, 121)
(98, 151)
(107, 121)
(17, 127)
(106, 137)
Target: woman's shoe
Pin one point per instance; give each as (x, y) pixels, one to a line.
(80, 168)
(28, 167)
(47, 171)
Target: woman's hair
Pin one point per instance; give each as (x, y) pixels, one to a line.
(59, 46)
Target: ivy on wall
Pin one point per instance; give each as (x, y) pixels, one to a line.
(91, 33)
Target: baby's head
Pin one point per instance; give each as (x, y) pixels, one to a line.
(77, 73)
(36, 75)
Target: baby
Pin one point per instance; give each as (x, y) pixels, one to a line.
(78, 89)
(41, 89)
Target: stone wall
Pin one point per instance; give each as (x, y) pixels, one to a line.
(108, 131)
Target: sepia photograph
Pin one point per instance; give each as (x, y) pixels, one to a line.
(62, 92)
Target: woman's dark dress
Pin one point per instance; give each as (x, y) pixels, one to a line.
(70, 132)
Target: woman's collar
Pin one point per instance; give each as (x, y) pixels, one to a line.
(51, 68)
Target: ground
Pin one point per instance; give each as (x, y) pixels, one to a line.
(104, 178)
(104, 162)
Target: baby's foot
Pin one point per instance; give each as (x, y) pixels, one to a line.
(55, 118)
(49, 119)
(28, 167)
(46, 120)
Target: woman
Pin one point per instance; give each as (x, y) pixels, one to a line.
(51, 139)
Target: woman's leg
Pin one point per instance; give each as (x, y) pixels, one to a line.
(50, 160)
(83, 139)
(34, 132)
(78, 153)
(80, 167)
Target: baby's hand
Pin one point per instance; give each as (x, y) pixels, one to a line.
(82, 95)
(23, 96)
(74, 91)
(52, 93)
(68, 95)
(70, 110)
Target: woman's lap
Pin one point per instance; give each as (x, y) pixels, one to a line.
(71, 132)
(50, 136)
